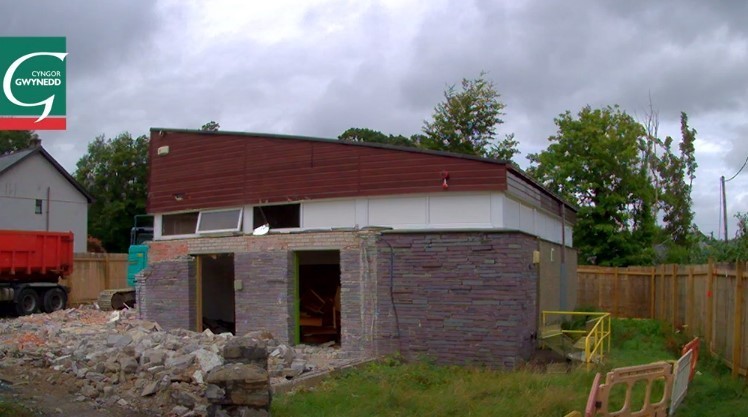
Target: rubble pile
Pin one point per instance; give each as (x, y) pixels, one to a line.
(115, 359)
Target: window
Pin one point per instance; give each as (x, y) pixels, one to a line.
(219, 220)
(38, 207)
(179, 224)
(281, 216)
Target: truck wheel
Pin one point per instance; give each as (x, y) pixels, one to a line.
(27, 302)
(54, 299)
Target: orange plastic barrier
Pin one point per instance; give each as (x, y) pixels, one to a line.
(693, 345)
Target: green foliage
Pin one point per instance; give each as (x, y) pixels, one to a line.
(373, 136)
(14, 140)
(115, 172)
(211, 126)
(595, 162)
(466, 121)
(422, 389)
(9, 409)
(677, 173)
(391, 388)
(503, 150)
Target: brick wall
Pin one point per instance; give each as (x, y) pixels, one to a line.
(460, 297)
(265, 266)
(166, 292)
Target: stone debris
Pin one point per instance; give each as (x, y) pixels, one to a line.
(115, 359)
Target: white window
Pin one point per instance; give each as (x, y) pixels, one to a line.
(179, 224)
(228, 220)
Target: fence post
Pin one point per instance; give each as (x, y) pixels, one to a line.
(690, 325)
(674, 295)
(663, 312)
(652, 293)
(106, 271)
(737, 324)
(710, 304)
(615, 291)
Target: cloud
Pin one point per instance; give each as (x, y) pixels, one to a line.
(319, 67)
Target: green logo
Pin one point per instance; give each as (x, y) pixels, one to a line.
(33, 83)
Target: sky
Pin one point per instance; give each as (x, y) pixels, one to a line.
(319, 67)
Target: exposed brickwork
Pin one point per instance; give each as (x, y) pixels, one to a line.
(460, 297)
(267, 299)
(265, 266)
(166, 293)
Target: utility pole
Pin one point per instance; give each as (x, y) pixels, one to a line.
(724, 206)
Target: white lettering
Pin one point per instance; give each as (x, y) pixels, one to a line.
(38, 81)
(47, 103)
(45, 73)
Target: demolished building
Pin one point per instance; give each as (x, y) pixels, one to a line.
(375, 248)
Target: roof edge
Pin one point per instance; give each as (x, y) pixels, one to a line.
(509, 164)
(40, 150)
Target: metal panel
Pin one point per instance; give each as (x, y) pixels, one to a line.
(213, 171)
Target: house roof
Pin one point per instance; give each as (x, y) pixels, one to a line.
(509, 165)
(10, 160)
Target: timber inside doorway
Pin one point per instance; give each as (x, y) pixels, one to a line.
(318, 296)
(215, 293)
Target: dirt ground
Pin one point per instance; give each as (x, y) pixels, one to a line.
(51, 400)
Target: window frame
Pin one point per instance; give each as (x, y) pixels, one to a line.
(238, 227)
(38, 206)
(289, 228)
(165, 236)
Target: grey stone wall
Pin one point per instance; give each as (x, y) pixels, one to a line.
(267, 298)
(460, 298)
(265, 267)
(166, 293)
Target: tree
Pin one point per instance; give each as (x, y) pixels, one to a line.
(595, 161)
(14, 140)
(677, 172)
(466, 121)
(504, 150)
(211, 126)
(114, 171)
(374, 136)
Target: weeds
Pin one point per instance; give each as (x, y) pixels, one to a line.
(392, 387)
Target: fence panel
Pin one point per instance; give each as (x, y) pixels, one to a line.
(93, 273)
(707, 301)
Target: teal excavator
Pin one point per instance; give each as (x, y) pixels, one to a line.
(137, 260)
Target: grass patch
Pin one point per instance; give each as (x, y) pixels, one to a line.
(391, 388)
(8, 409)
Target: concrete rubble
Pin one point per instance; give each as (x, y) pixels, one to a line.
(113, 359)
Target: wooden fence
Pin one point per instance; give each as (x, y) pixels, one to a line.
(708, 301)
(93, 273)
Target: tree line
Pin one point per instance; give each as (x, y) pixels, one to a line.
(632, 188)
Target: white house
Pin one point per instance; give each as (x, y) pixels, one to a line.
(36, 193)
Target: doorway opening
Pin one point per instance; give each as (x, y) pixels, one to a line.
(215, 309)
(318, 297)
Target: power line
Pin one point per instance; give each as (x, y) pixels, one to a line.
(739, 171)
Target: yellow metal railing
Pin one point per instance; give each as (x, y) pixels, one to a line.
(595, 339)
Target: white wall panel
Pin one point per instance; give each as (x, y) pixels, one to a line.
(458, 210)
(398, 211)
(327, 214)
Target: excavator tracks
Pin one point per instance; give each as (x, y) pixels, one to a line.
(116, 299)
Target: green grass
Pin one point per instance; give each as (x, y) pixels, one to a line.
(390, 388)
(8, 409)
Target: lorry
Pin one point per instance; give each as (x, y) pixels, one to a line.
(137, 260)
(32, 264)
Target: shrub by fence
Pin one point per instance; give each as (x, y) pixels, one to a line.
(707, 301)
